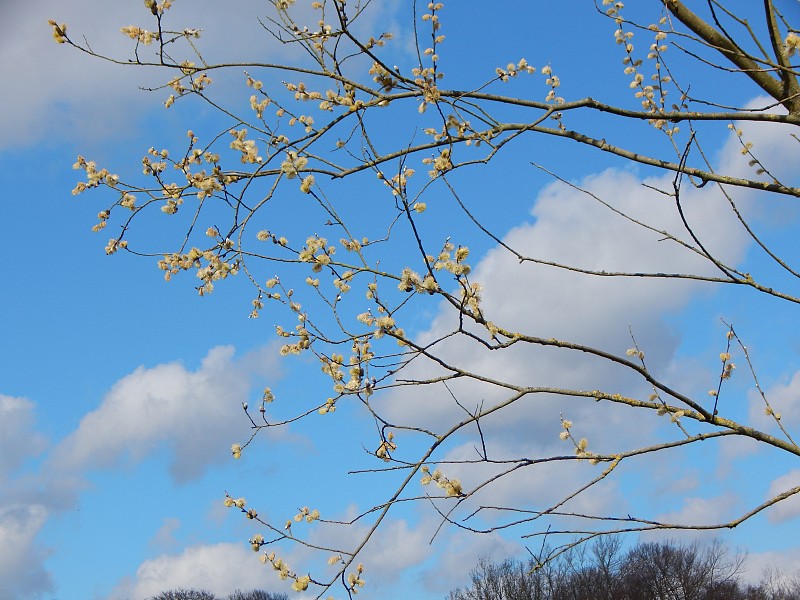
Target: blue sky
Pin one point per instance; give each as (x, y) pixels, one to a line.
(121, 395)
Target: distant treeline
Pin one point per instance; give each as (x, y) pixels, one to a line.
(647, 571)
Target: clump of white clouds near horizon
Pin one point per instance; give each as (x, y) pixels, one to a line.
(189, 416)
(191, 413)
(192, 416)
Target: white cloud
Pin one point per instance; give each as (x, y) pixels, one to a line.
(23, 510)
(164, 538)
(19, 440)
(696, 511)
(785, 401)
(194, 414)
(786, 509)
(573, 229)
(58, 91)
(460, 556)
(21, 556)
(685, 479)
(218, 568)
(783, 562)
(733, 448)
(394, 548)
(531, 488)
(190, 415)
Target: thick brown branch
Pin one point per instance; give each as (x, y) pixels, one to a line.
(772, 86)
